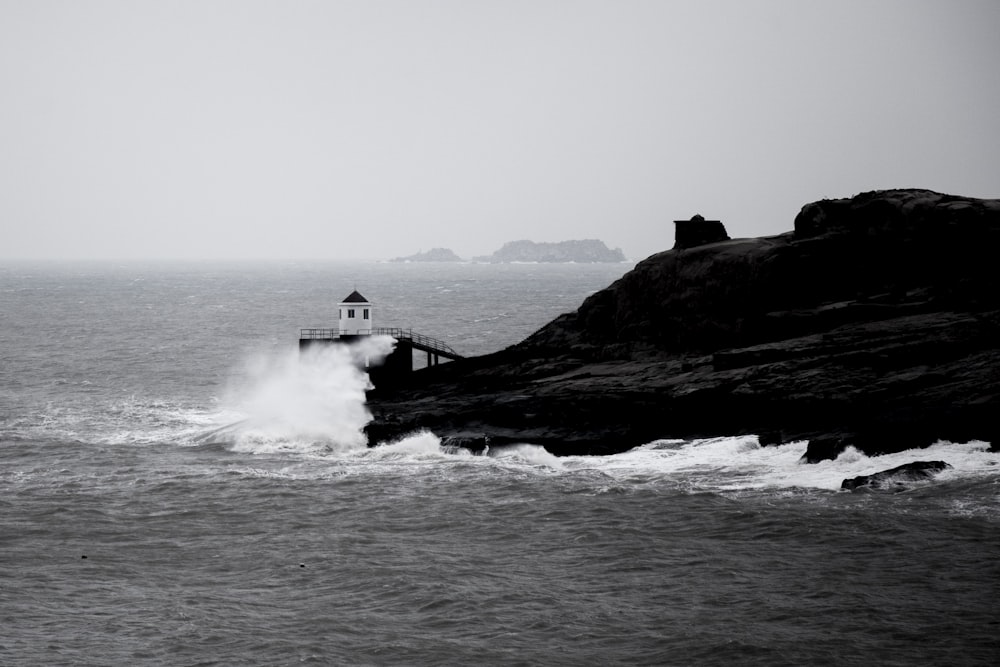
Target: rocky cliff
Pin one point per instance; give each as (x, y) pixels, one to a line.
(875, 323)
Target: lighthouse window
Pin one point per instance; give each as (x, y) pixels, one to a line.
(365, 313)
(350, 313)
(340, 313)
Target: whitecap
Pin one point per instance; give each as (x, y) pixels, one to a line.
(532, 455)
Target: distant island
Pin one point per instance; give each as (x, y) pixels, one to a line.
(587, 251)
(432, 255)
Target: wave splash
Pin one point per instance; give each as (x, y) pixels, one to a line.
(742, 464)
(311, 401)
(724, 465)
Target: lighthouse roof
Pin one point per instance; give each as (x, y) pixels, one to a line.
(355, 297)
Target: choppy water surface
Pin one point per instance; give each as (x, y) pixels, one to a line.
(179, 488)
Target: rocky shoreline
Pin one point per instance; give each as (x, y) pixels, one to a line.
(875, 324)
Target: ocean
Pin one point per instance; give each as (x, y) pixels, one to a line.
(178, 487)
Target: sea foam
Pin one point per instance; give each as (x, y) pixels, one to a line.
(741, 463)
(311, 401)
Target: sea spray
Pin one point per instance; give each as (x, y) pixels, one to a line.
(311, 401)
(419, 446)
(531, 455)
(740, 463)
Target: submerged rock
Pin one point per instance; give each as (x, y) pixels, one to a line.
(875, 324)
(898, 476)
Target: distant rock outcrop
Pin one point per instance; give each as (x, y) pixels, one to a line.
(587, 251)
(432, 255)
(875, 324)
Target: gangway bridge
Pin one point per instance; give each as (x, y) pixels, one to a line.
(432, 346)
(407, 340)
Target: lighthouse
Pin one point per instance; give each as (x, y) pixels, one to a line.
(354, 322)
(354, 316)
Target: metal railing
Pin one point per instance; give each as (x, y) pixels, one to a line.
(426, 342)
(319, 334)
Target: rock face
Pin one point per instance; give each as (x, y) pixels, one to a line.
(897, 477)
(876, 323)
(582, 252)
(432, 255)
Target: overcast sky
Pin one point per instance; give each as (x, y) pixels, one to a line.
(372, 129)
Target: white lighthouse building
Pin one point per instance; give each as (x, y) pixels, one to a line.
(355, 315)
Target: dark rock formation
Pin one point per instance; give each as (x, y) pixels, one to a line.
(588, 251)
(876, 323)
(432, 255)
(897, 477)
(698, 231)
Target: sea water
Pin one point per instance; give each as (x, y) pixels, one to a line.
(179, 486)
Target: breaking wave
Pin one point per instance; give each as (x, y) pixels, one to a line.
(311, 401)
(741, 463)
